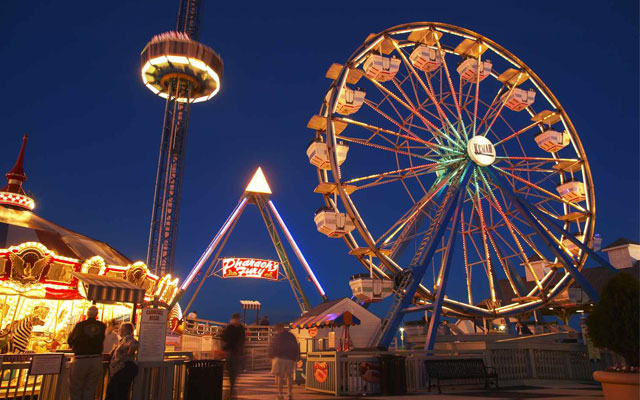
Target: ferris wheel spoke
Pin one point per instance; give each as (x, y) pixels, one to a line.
(485, 245)
(376, 129)
(443, 117)
(385, 148)
(477, 96)
(517, 133)
(503, 261)
(410, 107)
(453, 90)
(394, 176)
(502, 104)
(467, 268)
(410, 135)
(493, 201)
(548, 193)
(413, 212)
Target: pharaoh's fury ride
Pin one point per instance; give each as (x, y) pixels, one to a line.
(461, 162)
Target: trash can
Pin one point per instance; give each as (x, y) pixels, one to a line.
(393, 377)
(204, 380)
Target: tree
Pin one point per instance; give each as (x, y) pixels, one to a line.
(614, 323)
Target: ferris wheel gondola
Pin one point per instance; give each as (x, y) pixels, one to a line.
(457, 141)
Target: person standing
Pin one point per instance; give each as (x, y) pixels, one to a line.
(86, 340)
(122, 367)
(284, 351)
(233, 344)
(111, 338)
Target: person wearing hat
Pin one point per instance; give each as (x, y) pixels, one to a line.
(86, 340)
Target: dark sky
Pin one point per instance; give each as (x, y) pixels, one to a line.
(70, 78)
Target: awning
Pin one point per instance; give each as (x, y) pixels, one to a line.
(328, 320)
(102, 289)
(342, 319)
(301, 321)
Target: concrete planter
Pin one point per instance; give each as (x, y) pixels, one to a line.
(618, 385)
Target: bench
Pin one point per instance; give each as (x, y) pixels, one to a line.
(461, 368)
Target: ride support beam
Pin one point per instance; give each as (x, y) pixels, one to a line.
(419, 271)
(572, 238)
(443, 277)
(298, 293)
(214, 243)
(212, 264)
(525, 209)
(297, 251)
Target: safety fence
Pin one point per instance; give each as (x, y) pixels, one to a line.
(163, 380)
(358, 372)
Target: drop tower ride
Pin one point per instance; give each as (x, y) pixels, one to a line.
(176, 67)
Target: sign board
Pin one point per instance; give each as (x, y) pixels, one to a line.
(313, 331)
(46, 364)
(153, 333)
(481, 150)
(250, 268)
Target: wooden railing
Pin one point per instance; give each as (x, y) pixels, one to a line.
(341, 373)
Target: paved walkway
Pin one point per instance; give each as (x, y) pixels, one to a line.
(261, 386)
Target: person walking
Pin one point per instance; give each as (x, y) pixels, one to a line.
(233, 344)
(285, 351)
(111, 338)
(122, 367)
(86, 340)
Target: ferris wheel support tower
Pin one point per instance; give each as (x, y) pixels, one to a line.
(181, 70)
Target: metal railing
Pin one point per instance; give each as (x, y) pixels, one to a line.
(155, 380)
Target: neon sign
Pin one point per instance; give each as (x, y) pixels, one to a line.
(250, 268)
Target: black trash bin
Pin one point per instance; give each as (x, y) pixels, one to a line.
(204, 380)
(393, 377)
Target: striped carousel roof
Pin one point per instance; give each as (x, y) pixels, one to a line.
(18, 224)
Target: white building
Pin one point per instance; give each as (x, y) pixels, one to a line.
(360, 334)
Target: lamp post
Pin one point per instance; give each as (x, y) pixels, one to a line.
(402, 336)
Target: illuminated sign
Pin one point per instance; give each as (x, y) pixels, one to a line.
(481, 151)
(250, 268)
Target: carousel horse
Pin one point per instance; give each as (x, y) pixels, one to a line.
(17, 334)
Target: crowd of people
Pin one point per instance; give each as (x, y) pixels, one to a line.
(89, 340)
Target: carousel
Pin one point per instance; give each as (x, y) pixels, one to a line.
(50, 275)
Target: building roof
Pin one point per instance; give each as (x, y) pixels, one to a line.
(619, 242)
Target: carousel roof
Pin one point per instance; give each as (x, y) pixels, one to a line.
(18, 224)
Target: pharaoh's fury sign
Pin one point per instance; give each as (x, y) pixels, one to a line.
(250, 268)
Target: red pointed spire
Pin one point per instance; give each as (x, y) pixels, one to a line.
(17, 176)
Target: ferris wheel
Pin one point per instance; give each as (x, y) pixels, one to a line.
(447, 165)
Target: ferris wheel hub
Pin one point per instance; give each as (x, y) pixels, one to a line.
(481, 151)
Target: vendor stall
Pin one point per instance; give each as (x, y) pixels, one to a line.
(338, 324)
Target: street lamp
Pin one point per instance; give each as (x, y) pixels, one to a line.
(402, 336)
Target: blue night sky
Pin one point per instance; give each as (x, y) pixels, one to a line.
(70, 78)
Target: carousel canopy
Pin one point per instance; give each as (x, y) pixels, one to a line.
(19, 226)
(18, 223)
(40, 259)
